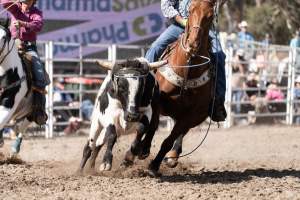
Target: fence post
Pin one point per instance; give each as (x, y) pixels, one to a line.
(112, 52)
(228, 96)
(81, 76)
(291, 80)
(49, 96)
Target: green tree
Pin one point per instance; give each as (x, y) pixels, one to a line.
(277, 17)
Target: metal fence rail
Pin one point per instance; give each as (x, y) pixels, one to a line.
(82, 62)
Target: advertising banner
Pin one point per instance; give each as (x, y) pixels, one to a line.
(100, 10)
(123, 28)
(101, 21)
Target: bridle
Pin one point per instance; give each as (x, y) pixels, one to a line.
(188, 50)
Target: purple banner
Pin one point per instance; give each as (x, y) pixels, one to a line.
(123, 29)
(99, 10)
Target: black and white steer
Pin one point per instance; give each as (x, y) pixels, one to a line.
(126, 102)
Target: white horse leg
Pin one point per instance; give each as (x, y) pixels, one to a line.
(5, 115)
(16, 146)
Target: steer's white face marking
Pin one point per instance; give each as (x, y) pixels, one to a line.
(133, 89)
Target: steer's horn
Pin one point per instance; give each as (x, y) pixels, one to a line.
(105, 64)
(155, 65)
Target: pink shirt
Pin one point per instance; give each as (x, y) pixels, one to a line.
(33, 17)
(274, 94)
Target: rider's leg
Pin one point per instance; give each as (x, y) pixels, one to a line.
(218, 60)
(40, 81)
(170, 35)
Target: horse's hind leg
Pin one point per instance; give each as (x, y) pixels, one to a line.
(171, 157)
(16, 146)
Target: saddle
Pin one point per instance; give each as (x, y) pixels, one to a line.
(168, 50)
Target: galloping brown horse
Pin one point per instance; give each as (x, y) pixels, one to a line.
(186, 92)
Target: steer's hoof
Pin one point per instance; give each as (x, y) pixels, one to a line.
(144, 155)
(126, 163)
(79, 172)
(105, 167)
(171, 162)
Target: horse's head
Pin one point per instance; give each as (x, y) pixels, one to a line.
(201, 15)
(129, 79)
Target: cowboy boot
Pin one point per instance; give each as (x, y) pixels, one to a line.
(218, 113)
(39, 114)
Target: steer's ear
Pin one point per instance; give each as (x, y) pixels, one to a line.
(156, 65)
(105, 64)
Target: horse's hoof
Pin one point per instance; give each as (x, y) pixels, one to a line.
(153, 173)
(105, 167)
(171, 162)
(16, 146)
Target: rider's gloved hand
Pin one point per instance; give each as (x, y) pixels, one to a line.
(19, 23)
(184, 22)
(180, 20)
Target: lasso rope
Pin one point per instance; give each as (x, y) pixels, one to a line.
(6, 9)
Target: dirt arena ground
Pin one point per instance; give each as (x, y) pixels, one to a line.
(259, 162)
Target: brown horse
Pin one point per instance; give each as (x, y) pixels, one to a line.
(186, 97)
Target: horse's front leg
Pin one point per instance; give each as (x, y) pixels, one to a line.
(180, 128)
(16, 146)
(171, 157)
(5, 115)
(111, 137)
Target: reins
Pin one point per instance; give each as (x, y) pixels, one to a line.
(5, 9)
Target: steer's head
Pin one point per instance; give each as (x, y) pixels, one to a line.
(129, 79)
